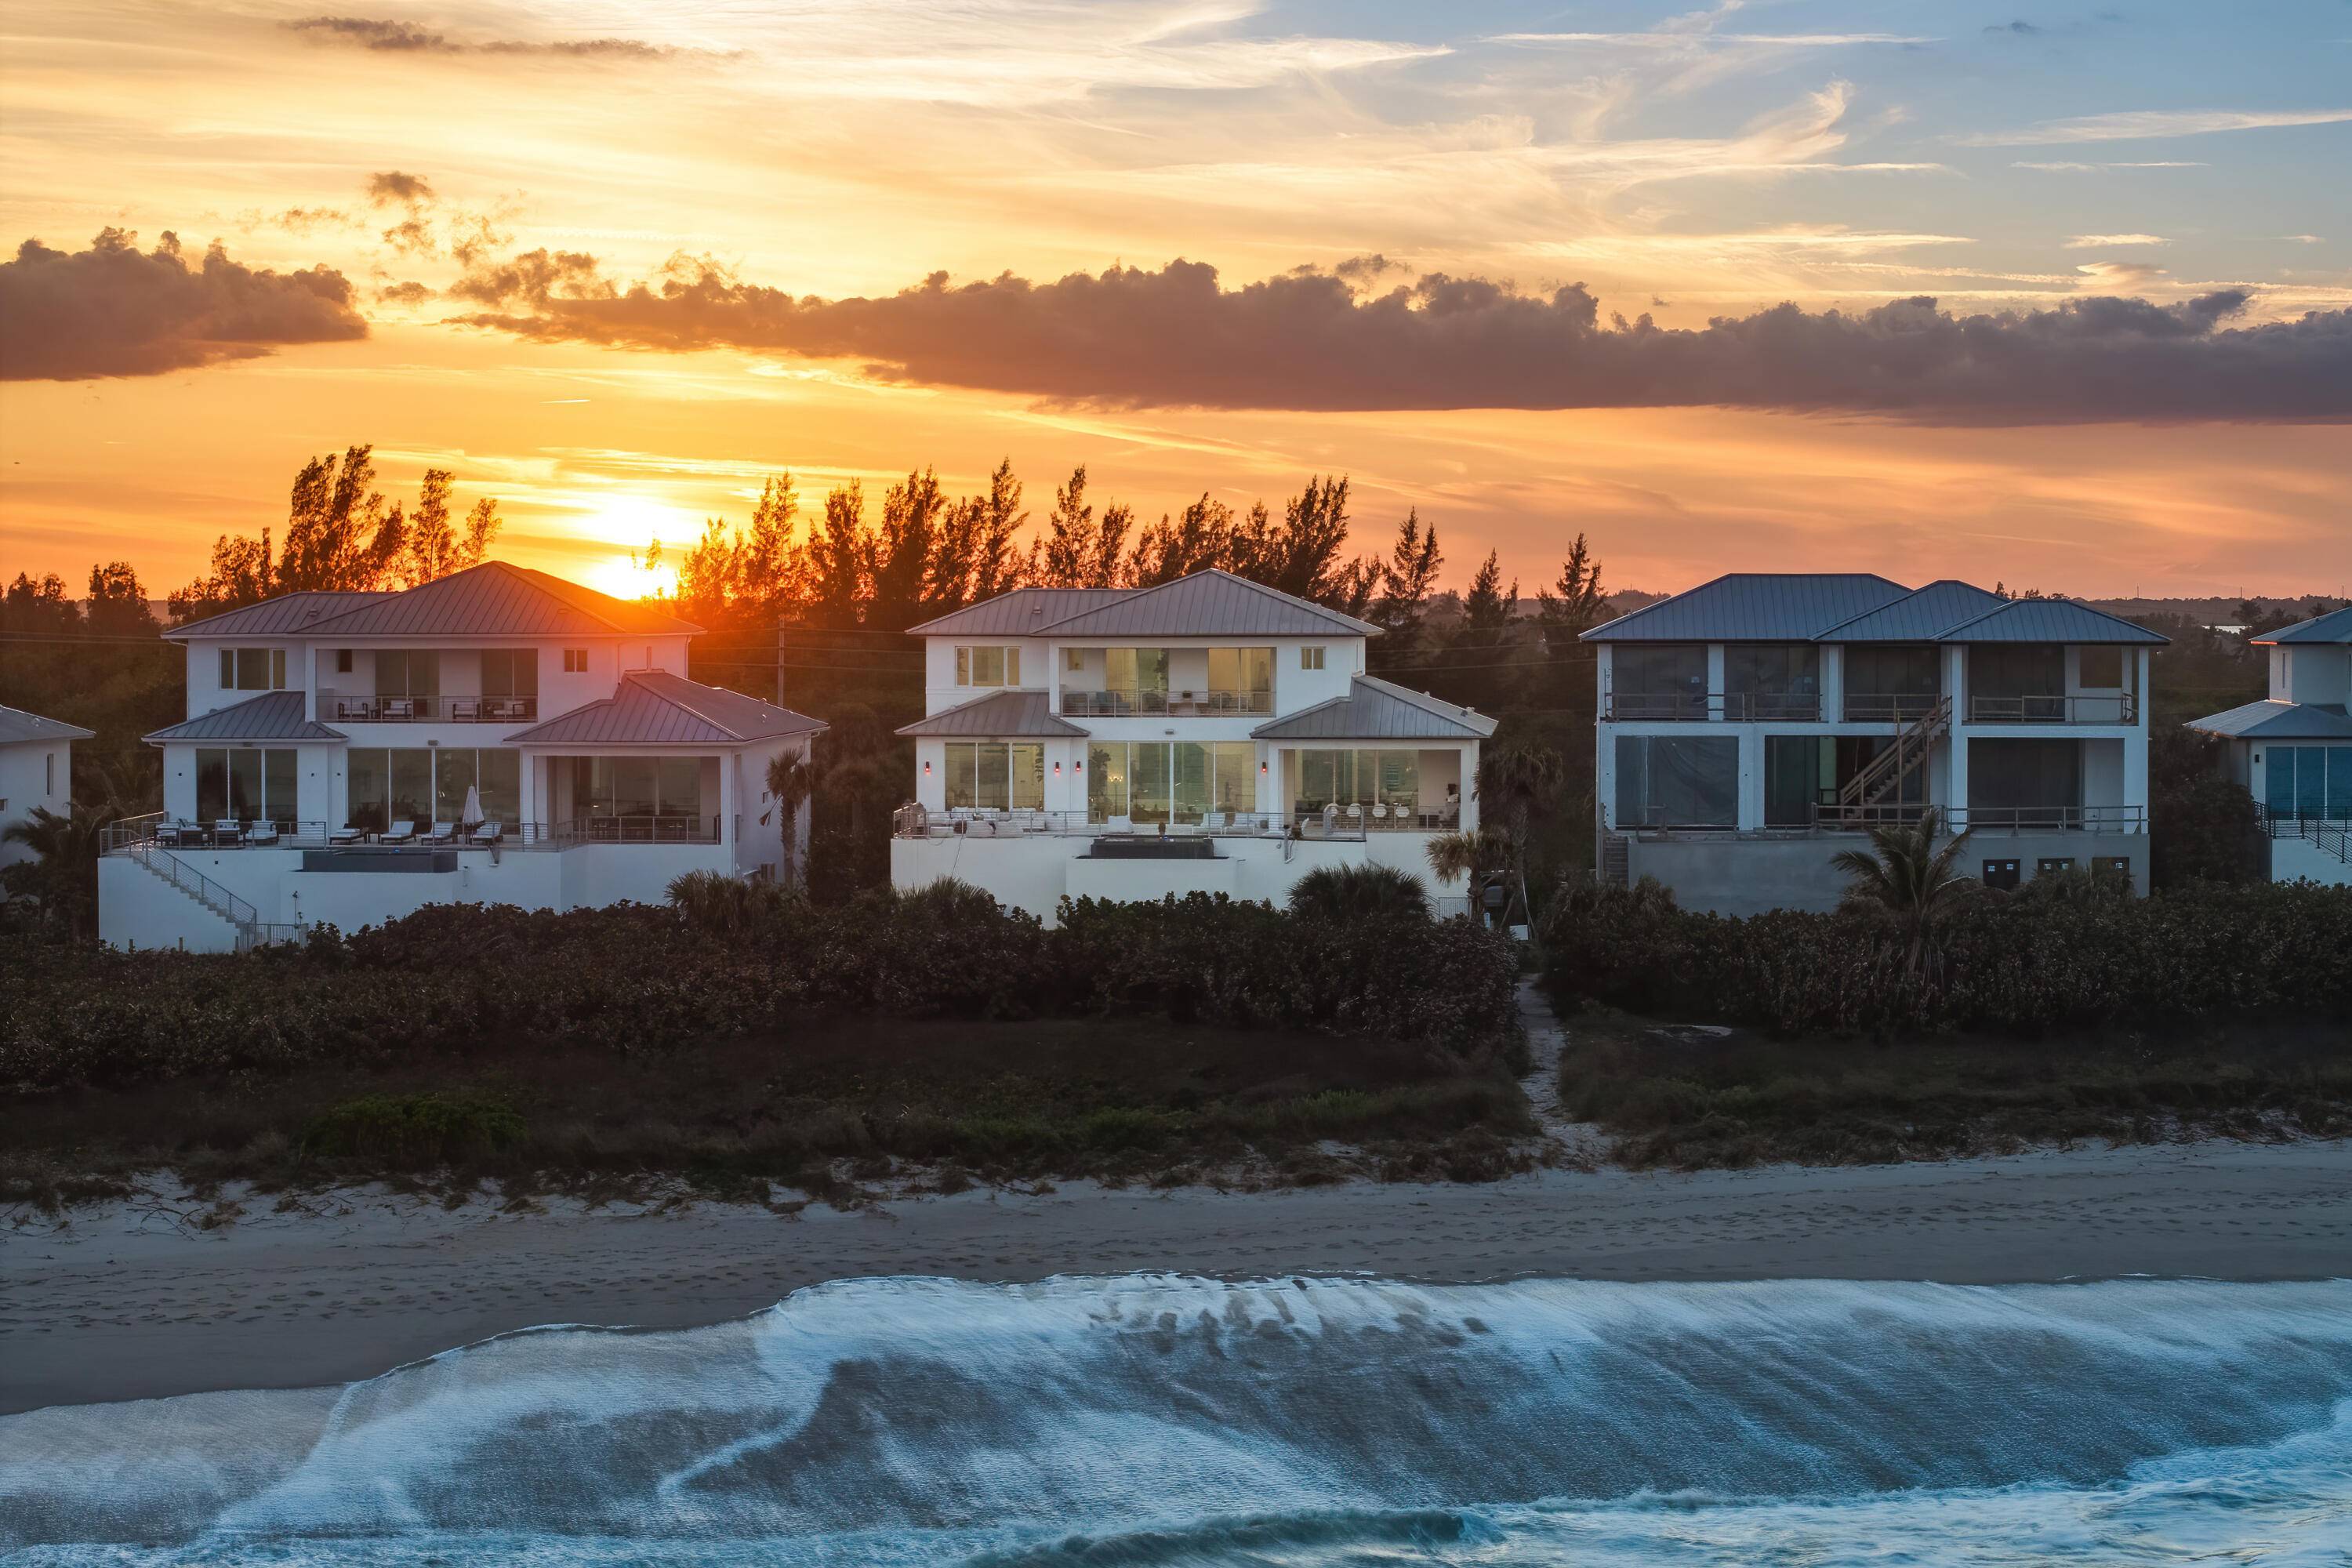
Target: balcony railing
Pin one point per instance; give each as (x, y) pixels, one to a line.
(441, 707)
(1890, 707)
(1732, 707)
(149, 833)
(1081, 703)
(914, 821)
(2114, 708)
(1989, 819)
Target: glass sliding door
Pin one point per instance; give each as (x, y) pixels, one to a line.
(501, 774)
(369, 788)
(1795, 768)
(453, 775)
(1236, 785)
(1148, 792)
(1190, 785)
(277, 786)
(995, 780)
(411, 772)
(212, 786)
(1028, 776)
(1106, 794)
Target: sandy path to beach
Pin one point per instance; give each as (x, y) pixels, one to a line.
(123, 1301)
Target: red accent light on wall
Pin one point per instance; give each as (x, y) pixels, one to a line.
(1261, 767)
(1058, 767)
(927, 769)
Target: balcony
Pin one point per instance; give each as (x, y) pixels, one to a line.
(2113, 708)
(1989, 819)
(1137, 702)
(1730, 707)
(138, 835)
(1890, 707)
(440, 708)
(1340, 822)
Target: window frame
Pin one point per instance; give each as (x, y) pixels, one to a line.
(1312, 656)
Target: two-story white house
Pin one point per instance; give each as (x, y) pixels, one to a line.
(498, 736)
(1753, 726)
(1209, 734)
(2293, 750)
(36, 772)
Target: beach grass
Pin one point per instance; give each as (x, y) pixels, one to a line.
(1681, 1098)
(837, 1105)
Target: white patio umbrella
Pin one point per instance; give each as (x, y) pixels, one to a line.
(473, 810)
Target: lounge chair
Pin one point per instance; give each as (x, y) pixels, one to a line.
(262, 832)
(1213, 821)
(173, 832)
(227, 830)
(347, 834)
(1120, 824)
(401, 832)
(443, 832)
(489, 833)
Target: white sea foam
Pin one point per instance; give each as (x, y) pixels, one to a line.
(1309, 1422)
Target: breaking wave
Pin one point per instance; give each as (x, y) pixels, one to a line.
(1170, 1422)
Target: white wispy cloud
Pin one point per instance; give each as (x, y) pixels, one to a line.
(1687, 40)
(2101, 241)
(2142, 124)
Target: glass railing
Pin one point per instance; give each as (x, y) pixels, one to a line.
(1208, 703)
(439, 708)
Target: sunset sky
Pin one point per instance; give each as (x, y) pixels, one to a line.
(615, 264)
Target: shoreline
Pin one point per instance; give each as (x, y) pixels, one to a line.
(126, 1300)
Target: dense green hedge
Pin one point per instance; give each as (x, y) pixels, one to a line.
(2021, 965)
(469, 978)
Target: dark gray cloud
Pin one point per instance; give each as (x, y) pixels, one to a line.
(1174, 337)
(113, 310)
(387, 36)
(409, 294)
(392, 185)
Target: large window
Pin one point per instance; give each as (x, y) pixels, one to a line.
(408, 672)
(1675, 780)
(253, 669)
(1773, 681)
(422, 785)
(1161, 780)
(1139, 674)
(987, 666)
(510, 672)
(641, 787)
(1358, 778)
(1244, 675)
(249, 784)
(1661, 680)
(995, 774)
(1796, 769)
(1890, 682)
(2100, 667)
(2307, 781)
(2042, 780)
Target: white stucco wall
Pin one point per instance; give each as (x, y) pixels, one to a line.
(32, 774)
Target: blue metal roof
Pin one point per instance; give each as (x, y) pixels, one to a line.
(1919, 616)
(289, 614)
(1000, 715)
(2334, 626)
(1755, 606)
(2048, 621)
(17, 725)
(1376, 709)
(1213, 603)
(655, 708)
(1020, 613)
(272, 716)
(2270, 719)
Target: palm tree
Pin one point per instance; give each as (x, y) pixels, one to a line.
(63, 877)
(790, 779)
(1476, 856)
(1339, 893)
(1520, 781)
(1905, 877)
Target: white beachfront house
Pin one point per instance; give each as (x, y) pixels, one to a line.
(498, 736)
(2293, 750)
(1209, 734)
(1753, 726)
(36, 772)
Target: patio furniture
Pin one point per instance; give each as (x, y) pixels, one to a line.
(398, 708)
(401, 832)
(442, 833)
(464, 710)
(171, 833)
(228, 831)
(347, 834)
(489, 833)
(262, 832)
(1213, 821)
(1122, 825)
(1330, 820)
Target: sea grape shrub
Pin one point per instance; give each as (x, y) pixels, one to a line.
(479, 980)
(2024, 965)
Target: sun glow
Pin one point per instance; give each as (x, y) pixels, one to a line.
(634, 522)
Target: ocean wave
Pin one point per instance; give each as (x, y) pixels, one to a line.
(1155, 1420)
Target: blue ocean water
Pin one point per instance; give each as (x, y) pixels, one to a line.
(1307, 1424)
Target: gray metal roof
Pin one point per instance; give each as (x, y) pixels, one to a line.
(272, 716)
(1022, 613)
(1376, 709)
(2334, 626)
(17, 725)
(2270, 719)
(2048, 620)
(997, 716)
(1755, 606)
(654, 708)
(1211, 603)
(1917, 616)
(289, 614)
(495, 599)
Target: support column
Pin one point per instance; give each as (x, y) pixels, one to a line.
(1715, 695)
(729, 765)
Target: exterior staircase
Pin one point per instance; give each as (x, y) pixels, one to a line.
(1616, 860)
(1886, 771)
(194, 884)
